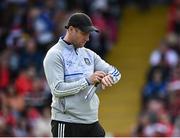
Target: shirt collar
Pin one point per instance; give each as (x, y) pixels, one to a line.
(66, 44)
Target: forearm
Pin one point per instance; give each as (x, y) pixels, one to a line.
(62, 89)
(101, 65)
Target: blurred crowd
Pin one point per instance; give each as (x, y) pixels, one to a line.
(28, 28)
(160, 111)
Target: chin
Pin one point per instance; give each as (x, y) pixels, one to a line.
(81, 45)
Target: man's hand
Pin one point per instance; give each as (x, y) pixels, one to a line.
(107, 81)
(97, 77)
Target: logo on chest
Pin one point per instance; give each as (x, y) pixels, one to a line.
(87, 61)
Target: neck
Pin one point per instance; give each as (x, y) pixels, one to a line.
(67, 38)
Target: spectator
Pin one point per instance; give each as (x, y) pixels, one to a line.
(31, 56)
(176, 132)
(155, 88)
(164, 56)
(4, 71)
(43, 124)
(163, 112)
(23, 83)
(37, 97)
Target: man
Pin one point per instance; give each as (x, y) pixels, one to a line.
(73, 73)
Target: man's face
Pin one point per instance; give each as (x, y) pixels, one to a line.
(79, 38)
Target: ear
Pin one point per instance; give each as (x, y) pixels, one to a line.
(71, 28)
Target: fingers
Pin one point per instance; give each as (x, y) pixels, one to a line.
(100, 74)
(107, 81)
(97, 77)
(101, 77)
(103, 87)
(110, 79)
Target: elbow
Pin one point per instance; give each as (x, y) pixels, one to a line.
(56, 92)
